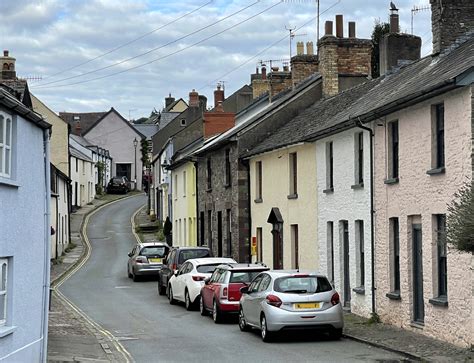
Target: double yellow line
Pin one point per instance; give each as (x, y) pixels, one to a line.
(88, 248)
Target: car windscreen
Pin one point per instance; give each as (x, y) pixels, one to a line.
(117, 180)
(302, 284)
(207, 269)
(185, 255)
(158, 251)
(243, 277)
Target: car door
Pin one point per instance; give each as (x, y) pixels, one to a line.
(261, 294)
(166, 272)
(131, 257)
(180, 281)
(248, 304)
(208, 289)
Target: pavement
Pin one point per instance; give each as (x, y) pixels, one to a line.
(72, 338)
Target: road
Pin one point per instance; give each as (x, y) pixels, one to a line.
(152, 330)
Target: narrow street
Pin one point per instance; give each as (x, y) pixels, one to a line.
(153, 330)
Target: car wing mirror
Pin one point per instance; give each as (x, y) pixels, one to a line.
(176, 273)
(130, 254)
(244, 290)
(207, 280)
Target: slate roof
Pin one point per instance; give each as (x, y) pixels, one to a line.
(167, 117)
(19, 89)
(79, 155)
(171, 105)
(81, 140)
(147, 130)
(87, 119)
(11, 103)
(374, 98)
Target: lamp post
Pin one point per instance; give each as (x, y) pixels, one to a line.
(135, 143)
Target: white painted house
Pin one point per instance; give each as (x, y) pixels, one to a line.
(25, 232)
(82, 174)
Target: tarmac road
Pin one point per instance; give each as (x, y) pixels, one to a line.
(152, 330)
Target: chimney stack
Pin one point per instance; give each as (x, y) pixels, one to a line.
(193, 98)
(309, 48)
(394, 20)
(299, 48)
(218, 95)
(8, 66)
(169, 100)
(328, 28)
(352, 29)
(450, 19)
(339, 26)
(77, 125)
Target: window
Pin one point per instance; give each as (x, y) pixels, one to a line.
(360, 252)
(294, 247)
(293, 175)
(209, 229)
(83, 167)
(259, 244)
(329, 167)
(393, 150)
(330, 250)
(183, 122)
(229, 232)
(175, 192)
(184, 183)
(6, 132)
(227, 167)
(77, 165)
(395, 254)
(193, 183)
(258, 180)
(209, 174)
(201, 228)
(359, 158)
(438, 136)
(185, 241)
(441, 255)
(3, 290)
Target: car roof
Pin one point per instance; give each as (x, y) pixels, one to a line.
(282, 273)
(245, 266)
(178, 248)
(148, 244)
(210, 260)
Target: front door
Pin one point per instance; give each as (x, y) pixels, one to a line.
(347, 285)
(418, 303)
(277, 247)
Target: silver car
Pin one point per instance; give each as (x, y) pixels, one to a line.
(146, 259)
(290, 300)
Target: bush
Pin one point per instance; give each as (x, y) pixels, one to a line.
(460, 220)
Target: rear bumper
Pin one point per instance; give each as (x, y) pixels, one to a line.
(147, 270)
(229, 307)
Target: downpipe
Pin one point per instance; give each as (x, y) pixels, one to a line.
(47, 244)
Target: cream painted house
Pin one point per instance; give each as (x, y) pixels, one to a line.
(82, 175)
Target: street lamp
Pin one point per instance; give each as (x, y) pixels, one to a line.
(135, 143)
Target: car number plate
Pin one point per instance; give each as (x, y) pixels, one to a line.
(307, 306)
(155, 260)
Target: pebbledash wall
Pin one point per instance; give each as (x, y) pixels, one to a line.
(416, 198)
(348, 202)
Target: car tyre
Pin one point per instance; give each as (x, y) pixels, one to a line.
(242, 323)
(170, 296)
(135, 277)
(216, 313)
(264, 333)
(202, 309)
(161, 288)
(335, 334)
(128, 272)
(187, 301)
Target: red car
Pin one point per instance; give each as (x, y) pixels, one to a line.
(220, 294)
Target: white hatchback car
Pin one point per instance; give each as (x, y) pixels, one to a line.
(186, 283)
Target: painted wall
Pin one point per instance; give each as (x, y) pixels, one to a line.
(417, 197)
(301, 211)
(60, 219)
(345, 203)
(22, 241)
(84, 176)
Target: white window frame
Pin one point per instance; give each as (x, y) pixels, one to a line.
(4, 146)
(4, 290)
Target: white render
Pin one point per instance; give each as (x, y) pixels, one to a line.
(349, 204)
(60, 217)
(82, 175)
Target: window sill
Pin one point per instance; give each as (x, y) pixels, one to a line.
(293, 196)
(394, 295)
(357, 186)
(209, 190)
(328, 191)
(6, 330)
(258, 200)
(359, 290)
(436, 171)
(391, 181)
(439, 301)
(417, 324)
(9, 182)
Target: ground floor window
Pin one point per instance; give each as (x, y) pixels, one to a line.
(3, 290)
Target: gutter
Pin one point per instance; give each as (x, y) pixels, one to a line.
(47, 246)
(358, 124)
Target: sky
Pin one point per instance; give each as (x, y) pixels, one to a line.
(91, 55)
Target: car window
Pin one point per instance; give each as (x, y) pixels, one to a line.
(215, 276)
(302, 284)
(185, 268)
(222, 276)
(254, 285)
(243, 277)
(185, 255)
(207, 269)
(156, 251)
(182, 269)
(264, 283)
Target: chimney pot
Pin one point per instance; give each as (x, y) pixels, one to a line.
(218, 95)
(309, 48)
(5, 53)
(264, 72)
(299, 48)
(352, 29)
(339, 26)
(328, 27)
(394, 22)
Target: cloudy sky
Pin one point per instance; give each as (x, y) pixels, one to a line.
(130, 54)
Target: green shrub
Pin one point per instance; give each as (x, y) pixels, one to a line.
(460, 219)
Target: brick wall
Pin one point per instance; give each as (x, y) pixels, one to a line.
(217, 122)
(303, 66)
(280, 81)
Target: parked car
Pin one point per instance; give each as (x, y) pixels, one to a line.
(289, 300)
(221, 294)
(118, 184)
(186, 283)
(146, 259)
(176, 257)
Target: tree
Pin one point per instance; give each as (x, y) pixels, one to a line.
(140, 120)
(144, 150)
(380, 29)
(460, 221)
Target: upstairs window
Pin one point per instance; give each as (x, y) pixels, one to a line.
(329, 167)
(258, 181)
(293, 161)
(393, 150)
(359, 157)
(438, 136)
(209, 174)
(184, 183)
(6, 126)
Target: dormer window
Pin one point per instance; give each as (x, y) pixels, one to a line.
(183, 122)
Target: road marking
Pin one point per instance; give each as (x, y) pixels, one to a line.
(122, 287)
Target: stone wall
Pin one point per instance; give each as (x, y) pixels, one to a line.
(303, 66)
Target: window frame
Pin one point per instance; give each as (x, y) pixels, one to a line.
(359, 158)
(394, 266)
(441, 256)
(330, 248)
(209, 173)
(293, 174)
(258, 181)
(394, 150)
(4, 287)
(6, 145)
(360, 243)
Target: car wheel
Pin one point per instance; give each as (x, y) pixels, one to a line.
(265, 334)
(242, 323)
(128, 273)
(187, 301)
(335, 334)
(216, 314)
(135, 278)
(202, 309)
(161, 288)
(170, 296)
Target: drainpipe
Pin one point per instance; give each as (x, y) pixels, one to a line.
(358, 123)
(47, 244)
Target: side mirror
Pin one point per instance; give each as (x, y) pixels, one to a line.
(175, 273)
(207, 280)
(244, 290)
(130, 254)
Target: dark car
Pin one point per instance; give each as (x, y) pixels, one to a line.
(118, 184)
(176, 257)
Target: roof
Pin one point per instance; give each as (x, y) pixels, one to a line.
(167, 117)
(171, 105)
(238, 100)
(113, 110)
(148, 130)
(19, 89)
(81, 140)
(405, 86)
(10, 102)
(185, 154)
(79, 155)
(87, 119)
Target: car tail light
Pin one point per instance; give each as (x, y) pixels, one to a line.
(335, 299)
(198, 278)
(224, 292)
(273, 301)
(173, 266)
(141, 259)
